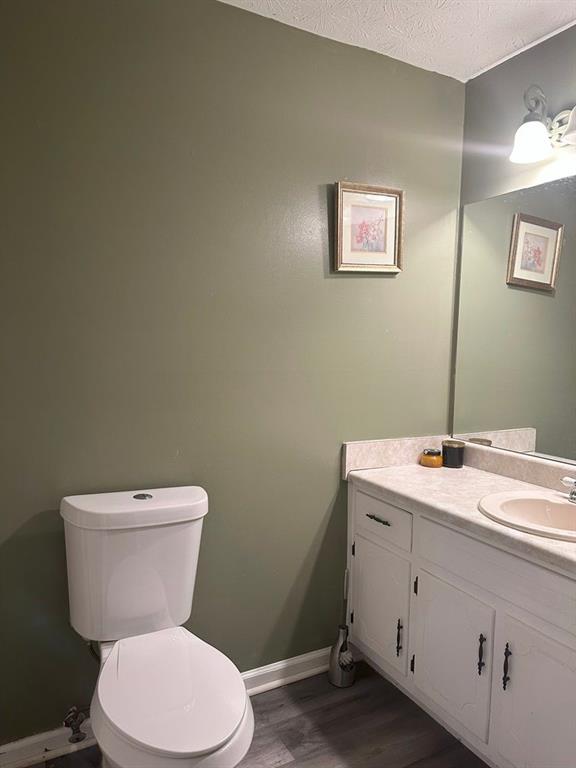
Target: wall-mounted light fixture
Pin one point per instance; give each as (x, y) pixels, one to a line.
(539, 134)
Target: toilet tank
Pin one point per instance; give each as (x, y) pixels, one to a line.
(132, 559)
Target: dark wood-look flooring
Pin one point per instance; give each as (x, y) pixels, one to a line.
(311, 724)
(86, 758)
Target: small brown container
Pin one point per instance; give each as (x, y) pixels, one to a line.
(453, 453)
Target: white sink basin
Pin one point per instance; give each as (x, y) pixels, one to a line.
(544, 513)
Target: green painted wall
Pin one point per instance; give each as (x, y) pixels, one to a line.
(516, 365)
(169, 315)
(495, 108)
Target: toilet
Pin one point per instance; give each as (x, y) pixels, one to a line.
(164, 697)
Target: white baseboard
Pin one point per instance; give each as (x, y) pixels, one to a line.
(43, 746)
(47, 746)
(286, 671)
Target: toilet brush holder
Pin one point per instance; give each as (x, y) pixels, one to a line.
(341, 666)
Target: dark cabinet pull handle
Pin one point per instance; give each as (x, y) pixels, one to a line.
(399, 628)
(505, 677)
(378, 519)
(481, 662)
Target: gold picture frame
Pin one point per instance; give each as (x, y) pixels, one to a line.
(369, 228)
(534, 252)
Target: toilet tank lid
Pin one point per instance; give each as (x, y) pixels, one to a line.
(135, 509)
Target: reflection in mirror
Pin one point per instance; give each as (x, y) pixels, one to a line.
(515, 378)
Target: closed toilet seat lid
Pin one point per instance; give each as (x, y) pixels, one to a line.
(172, 693)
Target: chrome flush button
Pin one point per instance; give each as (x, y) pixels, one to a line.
(142, 496)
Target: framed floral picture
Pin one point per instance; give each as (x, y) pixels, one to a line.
(368, 228)
(534, 252)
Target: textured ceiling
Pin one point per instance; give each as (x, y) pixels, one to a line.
(460, 38)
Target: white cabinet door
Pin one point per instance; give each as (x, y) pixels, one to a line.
(381, 601)
(534, 719)
(453, 638)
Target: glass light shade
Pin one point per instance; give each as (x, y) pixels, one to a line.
(531, 143)
(569, 136)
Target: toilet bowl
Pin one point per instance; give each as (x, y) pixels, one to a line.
(169, 699)
(164, 697)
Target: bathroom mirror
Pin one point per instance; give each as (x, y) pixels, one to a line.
(515, 360)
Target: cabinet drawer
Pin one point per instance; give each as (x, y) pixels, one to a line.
(383, 521)
(543, 593)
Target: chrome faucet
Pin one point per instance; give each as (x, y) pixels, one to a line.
(570, 482)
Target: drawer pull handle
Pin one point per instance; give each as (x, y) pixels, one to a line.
(399, 628)
(378, 519)
(505, 677)
(481, 662)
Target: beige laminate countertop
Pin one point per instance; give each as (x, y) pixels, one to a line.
(452, 496)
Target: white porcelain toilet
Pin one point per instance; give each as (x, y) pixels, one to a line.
(164, 698)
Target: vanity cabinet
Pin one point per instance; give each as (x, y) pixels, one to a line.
(453, 636)
(534, 716)
(381, 601)
(447, 617)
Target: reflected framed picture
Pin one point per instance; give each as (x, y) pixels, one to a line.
(534, 252)
(368, 228)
